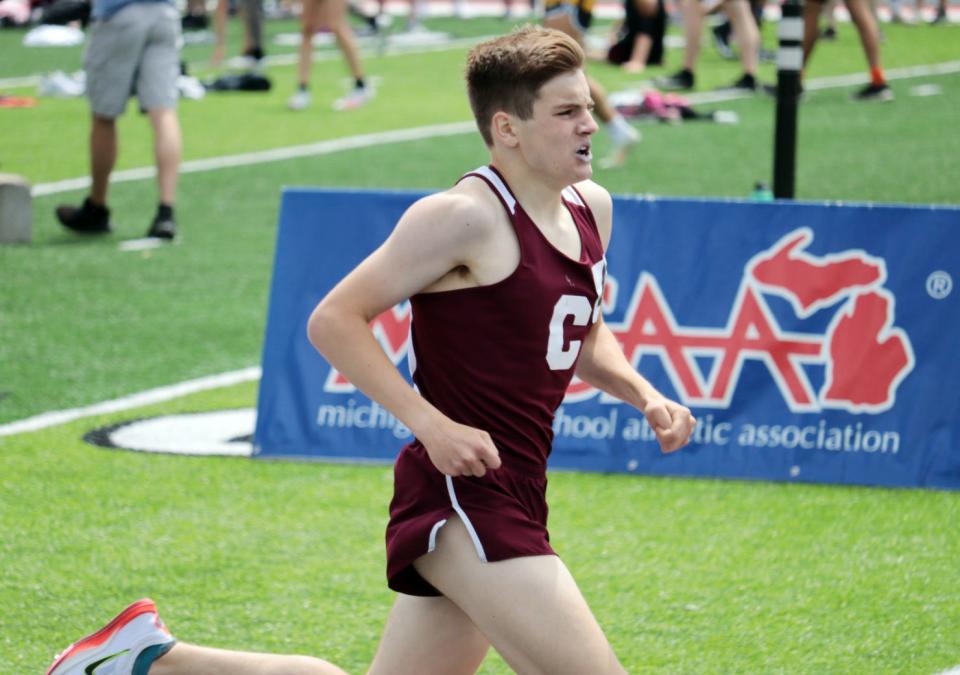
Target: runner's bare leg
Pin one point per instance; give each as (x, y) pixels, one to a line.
(186, 659)
(429, 636)
(530, 609)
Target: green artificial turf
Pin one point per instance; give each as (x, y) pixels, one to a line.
(686, 576)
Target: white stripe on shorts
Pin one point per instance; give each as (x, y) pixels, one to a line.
(466, 521)
(433, 534)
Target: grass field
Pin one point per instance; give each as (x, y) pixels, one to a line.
(686, 576)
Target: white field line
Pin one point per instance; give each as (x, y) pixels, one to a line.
(433, 131)
(20, 82)
(51, 419)
(946, 68)
(837, 81)
(274, 155)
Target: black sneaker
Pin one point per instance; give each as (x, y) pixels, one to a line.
(874, 92)
(829, 33)
(162, 228)
(721, 41)
(195, 22)
(746, 83)
(681, 80)
(89, 218)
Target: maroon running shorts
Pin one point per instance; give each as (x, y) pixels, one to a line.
(505, 513)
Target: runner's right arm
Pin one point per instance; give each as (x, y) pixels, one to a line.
(437, 235)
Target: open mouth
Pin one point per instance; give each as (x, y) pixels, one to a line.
(583, 152)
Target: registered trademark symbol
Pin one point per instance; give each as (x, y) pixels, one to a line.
(939, 285)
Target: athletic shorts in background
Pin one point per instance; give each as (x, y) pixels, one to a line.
(579, 11)
(135, 51)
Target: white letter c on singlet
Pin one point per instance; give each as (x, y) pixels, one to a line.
(580, 309)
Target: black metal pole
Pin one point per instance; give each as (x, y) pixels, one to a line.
(789, 65)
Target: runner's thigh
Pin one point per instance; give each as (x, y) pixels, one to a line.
(530, 609)
(428, 636)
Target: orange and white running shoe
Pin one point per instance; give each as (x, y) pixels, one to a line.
(127, 645)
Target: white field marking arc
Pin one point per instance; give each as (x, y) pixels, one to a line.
(222, 433)
(432, 131)
(151, 396)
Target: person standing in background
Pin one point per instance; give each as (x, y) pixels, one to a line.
(331, 14)
(134, 46)
(745, 28)
(862, 15)
(253, 52)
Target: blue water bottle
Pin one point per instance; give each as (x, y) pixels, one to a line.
(761, 192)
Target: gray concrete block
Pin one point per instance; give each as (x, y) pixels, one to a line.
(16, 210)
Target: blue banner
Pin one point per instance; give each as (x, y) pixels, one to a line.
(812, 341)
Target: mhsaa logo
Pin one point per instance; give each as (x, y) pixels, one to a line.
(864, 356)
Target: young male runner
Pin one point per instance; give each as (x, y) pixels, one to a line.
(505, 273)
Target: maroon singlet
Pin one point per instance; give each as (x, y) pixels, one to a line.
(498, 358)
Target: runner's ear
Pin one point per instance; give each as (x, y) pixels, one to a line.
(502, 128)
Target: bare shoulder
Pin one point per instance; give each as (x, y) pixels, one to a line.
(457, 238)
(458, 228)
(464, 212)
(601, 203)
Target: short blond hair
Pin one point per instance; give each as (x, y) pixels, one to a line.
(506, 73)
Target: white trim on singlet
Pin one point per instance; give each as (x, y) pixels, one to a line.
(497, 183)
(466, 521)
(433, 534)
(571, 195)
(411, 352)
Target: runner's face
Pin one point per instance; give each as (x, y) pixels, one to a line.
(556, 139)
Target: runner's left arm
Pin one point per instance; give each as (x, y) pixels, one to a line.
(603, 364)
